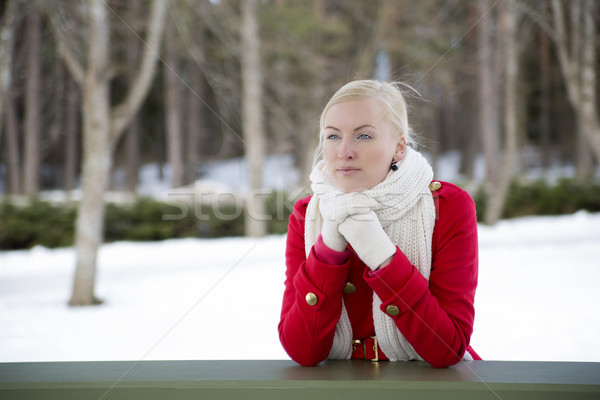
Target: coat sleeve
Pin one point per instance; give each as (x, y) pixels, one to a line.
(306, 330)
(436, 317)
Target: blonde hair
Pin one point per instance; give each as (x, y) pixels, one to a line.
(390, 96)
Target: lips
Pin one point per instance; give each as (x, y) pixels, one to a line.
(347, 170)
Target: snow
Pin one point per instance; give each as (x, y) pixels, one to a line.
(229, 176)
(221, 298)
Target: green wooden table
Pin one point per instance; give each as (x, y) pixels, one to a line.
(280, 379)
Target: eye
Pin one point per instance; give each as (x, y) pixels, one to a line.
(332, 136)
(365, 136)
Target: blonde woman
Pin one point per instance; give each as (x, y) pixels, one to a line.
(382, 259)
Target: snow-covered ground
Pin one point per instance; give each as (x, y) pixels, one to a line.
(220, 299)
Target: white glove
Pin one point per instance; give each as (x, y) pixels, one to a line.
(368, 239)
(335, 208)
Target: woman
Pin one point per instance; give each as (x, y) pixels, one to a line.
(381, 260)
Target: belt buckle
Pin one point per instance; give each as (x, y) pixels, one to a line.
(375, 349)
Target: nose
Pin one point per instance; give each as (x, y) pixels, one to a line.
(346, 150)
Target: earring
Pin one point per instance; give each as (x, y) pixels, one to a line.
(394, 166)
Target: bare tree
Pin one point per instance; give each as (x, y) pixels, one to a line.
(32, 151)
(7, 39)
(133, 132)
(488, 90)
(252, 117)
(172, 105)
(195, 116)
(103, 124)
(544, 119)
(71, 134)
(578, 65)
(468, 141)
(497, 196)
(575, 41)
(11, 149)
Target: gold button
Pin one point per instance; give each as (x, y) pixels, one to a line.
(349, 288)
(392, 310)
(311, 299)
(433, 186)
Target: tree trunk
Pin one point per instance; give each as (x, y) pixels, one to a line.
(7, 38)
(71, 145)
(132, 149)
(469, 139)
(496, 202)
(252, 118)
(194, 123)
(173, 134)
(487, 95)
(132, 136)
(96, 156)
(12, 145)
(544, 121)
(583, 156)
(32, 109)
(588, 113)
(584, 159)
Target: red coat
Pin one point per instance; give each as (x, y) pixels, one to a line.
(436, 316)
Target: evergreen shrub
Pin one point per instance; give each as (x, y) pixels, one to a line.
(540, 198)
(50, 225)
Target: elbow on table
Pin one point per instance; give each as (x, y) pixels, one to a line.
(444, 363)
(304, 357)
(447, 360)
(306, 362)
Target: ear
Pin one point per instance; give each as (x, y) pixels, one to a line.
(400, 149)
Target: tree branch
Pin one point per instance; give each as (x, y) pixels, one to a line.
(566, 64)
(65, 51)
(538, 18)
(124, 112)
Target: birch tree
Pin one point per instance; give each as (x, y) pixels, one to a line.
(103, 124)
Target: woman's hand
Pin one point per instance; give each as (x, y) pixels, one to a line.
(368, 239)
(335, 209)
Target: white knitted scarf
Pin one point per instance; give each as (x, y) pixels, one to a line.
(407, 213)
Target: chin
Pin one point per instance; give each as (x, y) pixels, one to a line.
(350, 188)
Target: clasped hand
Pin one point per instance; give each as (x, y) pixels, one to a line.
(349, 218)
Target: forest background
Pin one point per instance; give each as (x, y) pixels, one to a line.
(92, 91)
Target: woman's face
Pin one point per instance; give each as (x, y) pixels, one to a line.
(359, 144)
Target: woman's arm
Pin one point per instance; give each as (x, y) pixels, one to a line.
(306, 330)
(436, 317)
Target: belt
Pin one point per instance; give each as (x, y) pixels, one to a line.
(367, 349)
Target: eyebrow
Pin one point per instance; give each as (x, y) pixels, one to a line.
(357, 129)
